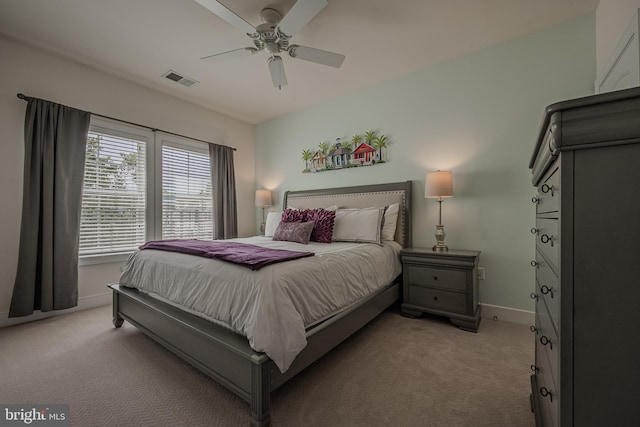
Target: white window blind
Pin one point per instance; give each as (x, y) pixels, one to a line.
(187, 206)
(114, 195)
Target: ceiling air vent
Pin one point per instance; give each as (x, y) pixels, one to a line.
(183, 80)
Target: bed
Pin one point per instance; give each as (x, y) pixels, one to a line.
(226, 355)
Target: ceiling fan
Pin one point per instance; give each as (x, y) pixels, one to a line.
(273, 36)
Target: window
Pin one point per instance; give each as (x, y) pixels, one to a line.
(113, 218)
(140, 186)
(187, 206)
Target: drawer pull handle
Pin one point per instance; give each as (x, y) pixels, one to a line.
(534, 263)
(534, 368)
(544, 392)
(546, 290)
(435, 298)
(435, 277)
(533, 296)
(546, 188)
(544, 341)
(534, 230)
(545, 238)
(533, 329)
(534, 200)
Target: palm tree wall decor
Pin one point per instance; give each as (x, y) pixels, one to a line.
(361, 150)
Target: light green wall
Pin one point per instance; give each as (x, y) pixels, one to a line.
(477, 116)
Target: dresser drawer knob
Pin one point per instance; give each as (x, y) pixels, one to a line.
(545, 238)
(544, 392)
(534, 368)
(435, 277)
(534, 230)
(533, 329)
(534, 200)
(546, 188)
(546, 341)
(533, 296)
(534, 263)
(547, 290)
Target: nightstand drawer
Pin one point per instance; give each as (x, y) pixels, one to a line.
(437, 299)
(455, 280)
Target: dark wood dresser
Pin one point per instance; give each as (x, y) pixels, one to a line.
(586, 167)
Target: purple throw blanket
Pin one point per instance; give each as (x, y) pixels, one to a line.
(251, 256)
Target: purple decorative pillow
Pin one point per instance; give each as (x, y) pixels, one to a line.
(293, 215)
(298, 232)
(324, 221)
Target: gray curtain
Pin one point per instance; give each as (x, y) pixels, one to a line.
(55, 138)
(225, 213)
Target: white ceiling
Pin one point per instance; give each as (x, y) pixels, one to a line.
(142, 39)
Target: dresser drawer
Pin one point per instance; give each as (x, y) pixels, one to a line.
(443, 278)
(548, 289)
(547, 393)
(548, 240)
(547, 340)
(549, 191)
(437, 299)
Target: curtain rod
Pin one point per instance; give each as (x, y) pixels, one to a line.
(27, 98)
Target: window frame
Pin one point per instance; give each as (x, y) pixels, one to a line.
(177, 142)
(154, 142)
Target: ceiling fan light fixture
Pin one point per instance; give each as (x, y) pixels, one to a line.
(276, 69)
(272, 48)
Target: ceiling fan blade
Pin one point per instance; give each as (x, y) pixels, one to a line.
(228, 15)
(276, 69)
(236, 53)
(299, 15)
(316, 55)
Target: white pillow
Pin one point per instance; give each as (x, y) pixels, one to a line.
(358, 225)
(390, 222)
(271, 224)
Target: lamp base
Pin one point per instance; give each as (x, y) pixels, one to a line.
(440, 234)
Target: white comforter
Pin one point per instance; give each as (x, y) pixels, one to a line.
(273, 306)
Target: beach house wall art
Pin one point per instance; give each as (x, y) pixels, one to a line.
(366, 149)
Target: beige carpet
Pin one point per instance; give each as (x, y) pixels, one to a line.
(394, 372)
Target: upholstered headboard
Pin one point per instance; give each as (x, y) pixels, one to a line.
(363, 196)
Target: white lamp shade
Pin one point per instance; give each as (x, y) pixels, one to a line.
(263, 198)
(438, 185)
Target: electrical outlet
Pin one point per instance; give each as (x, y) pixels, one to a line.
(481, 273)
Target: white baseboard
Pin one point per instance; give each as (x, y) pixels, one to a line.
(83, 304)
(495, 312)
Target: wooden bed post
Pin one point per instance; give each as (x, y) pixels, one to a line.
(117, 320)
(260, 393)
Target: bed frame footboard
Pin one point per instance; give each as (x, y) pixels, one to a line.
(226, 356)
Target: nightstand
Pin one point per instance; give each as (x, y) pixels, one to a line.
(442, 283)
